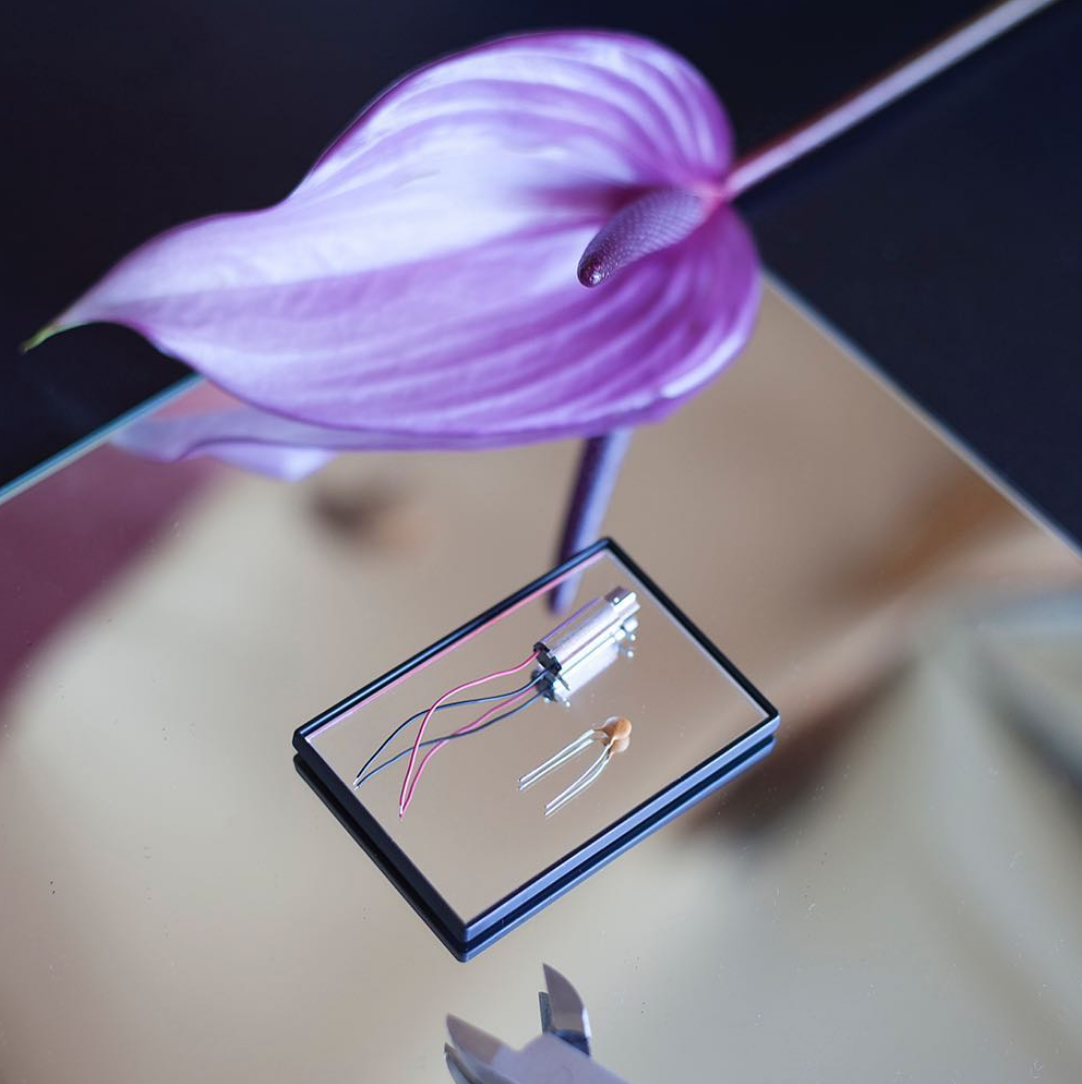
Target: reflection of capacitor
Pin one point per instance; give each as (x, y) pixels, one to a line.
(614, 736)
(587, 643)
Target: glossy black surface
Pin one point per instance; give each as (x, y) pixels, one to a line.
(943, 240)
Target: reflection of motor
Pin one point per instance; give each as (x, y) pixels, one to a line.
(565, 660)
(587, 643)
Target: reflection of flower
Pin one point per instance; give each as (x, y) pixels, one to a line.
(421, 286)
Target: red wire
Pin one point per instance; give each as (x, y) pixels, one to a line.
(501, 706)
(406, 794)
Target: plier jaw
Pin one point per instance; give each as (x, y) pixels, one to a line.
(561, 1052)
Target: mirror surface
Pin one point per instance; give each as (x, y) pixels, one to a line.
(893, 894)
(471, 831)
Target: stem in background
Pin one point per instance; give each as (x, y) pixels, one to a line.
(602, 456)
(870, 99)
(599, 467)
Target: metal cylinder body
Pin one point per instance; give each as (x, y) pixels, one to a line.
(589, 641)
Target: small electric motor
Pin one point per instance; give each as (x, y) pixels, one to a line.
(587, 643)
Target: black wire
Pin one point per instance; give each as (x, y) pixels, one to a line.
(448, 737)
(455, 704)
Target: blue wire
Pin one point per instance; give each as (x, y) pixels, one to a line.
(455, 704)
(447, 737)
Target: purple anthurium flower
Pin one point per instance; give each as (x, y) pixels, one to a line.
(423, 286)
(427, 285)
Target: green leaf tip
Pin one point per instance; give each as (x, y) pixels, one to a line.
(47, 332)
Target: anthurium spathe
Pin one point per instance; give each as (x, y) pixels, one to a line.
(525, 241)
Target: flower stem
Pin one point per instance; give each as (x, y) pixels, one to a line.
(942, 54)
(602, 455)
(599, 467)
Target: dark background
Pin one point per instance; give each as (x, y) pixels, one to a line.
(942, 237)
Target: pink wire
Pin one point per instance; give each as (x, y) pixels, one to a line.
(407, 790)
(501, 706)
(550, 586)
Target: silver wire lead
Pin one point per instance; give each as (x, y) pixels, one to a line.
(614, 735)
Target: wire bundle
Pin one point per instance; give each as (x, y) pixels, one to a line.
(505, 705)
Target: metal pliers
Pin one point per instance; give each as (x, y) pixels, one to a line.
(561, 1053)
